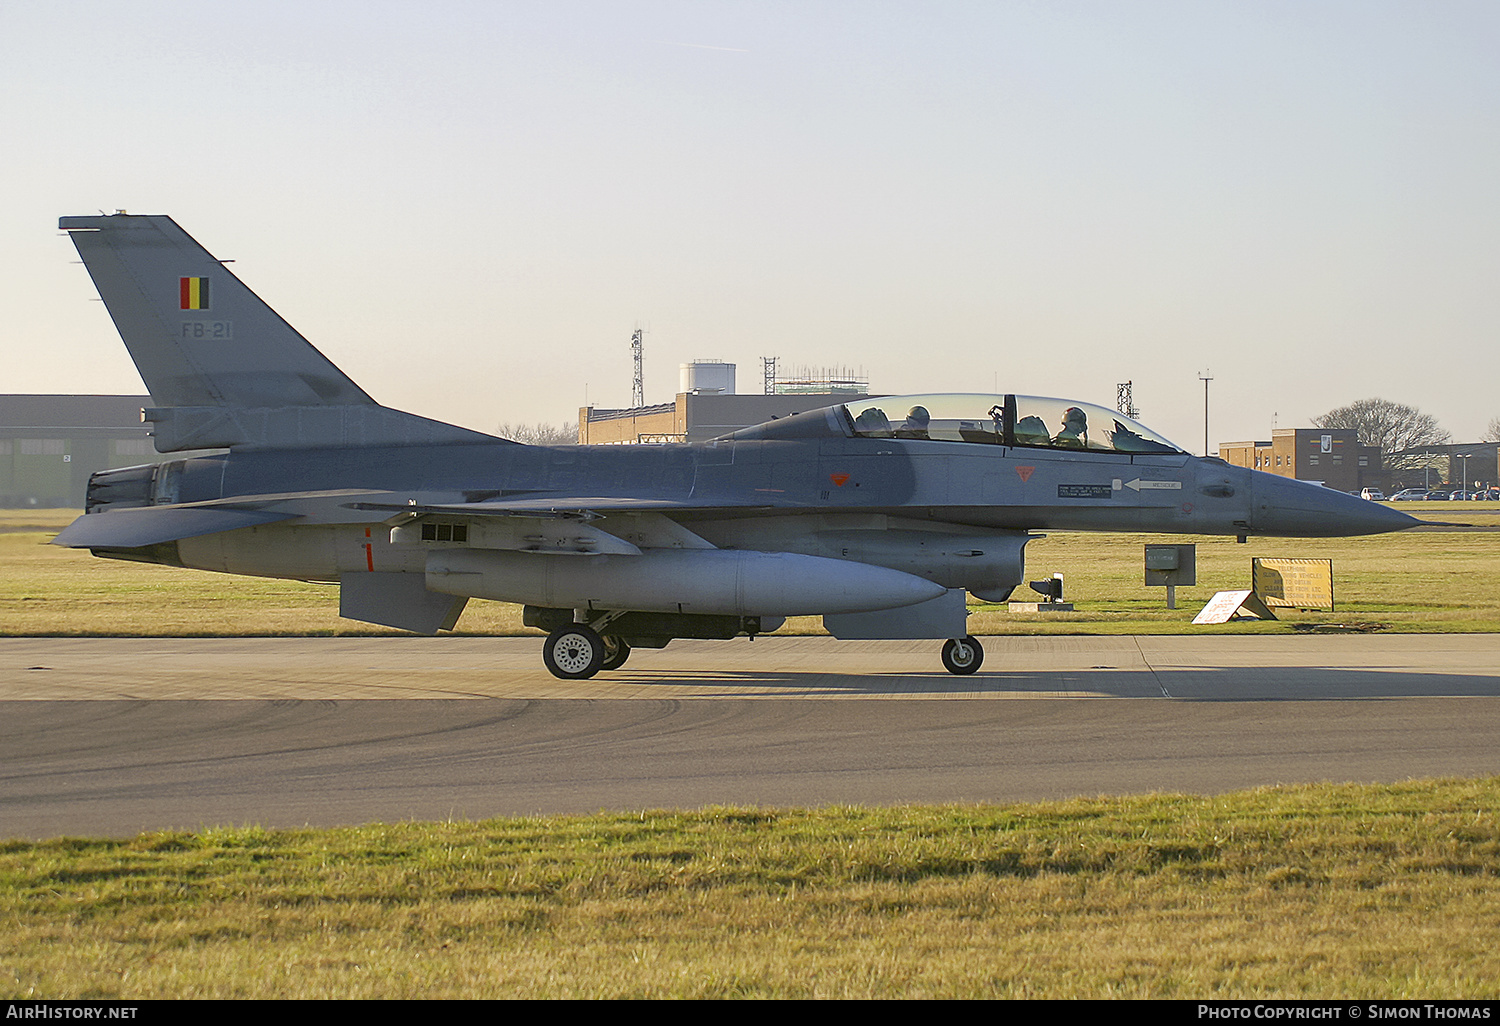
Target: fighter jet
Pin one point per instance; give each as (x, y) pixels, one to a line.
(878, 515)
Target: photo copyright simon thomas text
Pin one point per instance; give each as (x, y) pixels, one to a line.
(1344, 1010)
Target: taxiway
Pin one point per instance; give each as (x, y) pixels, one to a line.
(110, 737)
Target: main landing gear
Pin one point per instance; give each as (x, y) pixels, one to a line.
(578, 652)
(574, 653)
(616, 651)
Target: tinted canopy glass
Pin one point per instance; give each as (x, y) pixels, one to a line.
(1004, 420)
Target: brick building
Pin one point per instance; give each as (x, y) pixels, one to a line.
(1332, 456)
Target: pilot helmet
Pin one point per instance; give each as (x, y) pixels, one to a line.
(918, 415)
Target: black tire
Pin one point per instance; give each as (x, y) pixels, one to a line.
(573, 653)
(963, 655)
(616, 651)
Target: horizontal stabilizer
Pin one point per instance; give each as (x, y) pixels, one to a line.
(150, 525)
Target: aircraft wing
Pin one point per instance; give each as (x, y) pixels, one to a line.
(150, 525)
(138, 526)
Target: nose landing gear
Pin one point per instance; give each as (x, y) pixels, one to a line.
(963, 655)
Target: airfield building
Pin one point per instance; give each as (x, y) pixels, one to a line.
(695, 417)
(50, 444)
(1335, 458)
(1472, 466)
(1332, 456)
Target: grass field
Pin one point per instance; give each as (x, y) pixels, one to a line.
(1413, 581)
(1323, 891)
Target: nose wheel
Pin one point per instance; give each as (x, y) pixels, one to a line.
(963, 655)
(576, 652)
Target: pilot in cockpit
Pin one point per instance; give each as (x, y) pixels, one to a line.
(1032, 430)
(915, 425)
(873, 423)
(1075, 430)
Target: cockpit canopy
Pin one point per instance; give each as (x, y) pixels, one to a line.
(1023, 420)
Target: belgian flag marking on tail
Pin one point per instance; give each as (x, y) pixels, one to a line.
(194, 293)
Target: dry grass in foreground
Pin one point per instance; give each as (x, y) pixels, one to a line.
(1316, 891)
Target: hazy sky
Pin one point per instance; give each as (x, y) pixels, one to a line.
(468, 206)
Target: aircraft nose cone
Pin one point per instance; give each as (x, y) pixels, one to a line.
(1283, 506)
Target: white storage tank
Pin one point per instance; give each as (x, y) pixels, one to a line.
(708, 377)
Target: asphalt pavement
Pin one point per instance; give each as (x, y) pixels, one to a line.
(109, 737)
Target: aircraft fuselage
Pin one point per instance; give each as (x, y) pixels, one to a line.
(771, 494)
(879, 513)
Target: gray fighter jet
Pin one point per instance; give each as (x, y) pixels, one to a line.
(879, 515)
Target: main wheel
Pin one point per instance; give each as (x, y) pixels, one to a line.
(573, 653)
(963, 655)
(616, 651)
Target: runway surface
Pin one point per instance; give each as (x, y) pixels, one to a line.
(108, 737)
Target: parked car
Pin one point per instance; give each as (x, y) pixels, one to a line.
(1437, 496)
(1460, 496)
(1372, 494)
(1409, 495)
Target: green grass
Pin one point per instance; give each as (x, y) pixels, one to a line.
(1323, 891)
(1317, 891)
(1415, 581)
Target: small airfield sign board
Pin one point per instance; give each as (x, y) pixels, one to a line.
(1231, 605)
(1293, 583)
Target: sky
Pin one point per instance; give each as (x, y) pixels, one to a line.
(469, 206)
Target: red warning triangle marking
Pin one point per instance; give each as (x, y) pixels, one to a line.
(1025, 473)
(838, 479)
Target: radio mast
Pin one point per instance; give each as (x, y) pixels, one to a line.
(638, 382)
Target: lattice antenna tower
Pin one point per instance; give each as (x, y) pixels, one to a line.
(768, 372)
(1124, 402)
(638, 380)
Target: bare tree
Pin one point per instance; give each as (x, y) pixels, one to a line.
(1492, 430)
(540, 433)
(1391, 426)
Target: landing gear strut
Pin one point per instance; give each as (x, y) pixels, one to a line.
(616, 651)
(963, 655)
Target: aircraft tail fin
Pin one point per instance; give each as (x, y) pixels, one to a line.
(224, 367)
